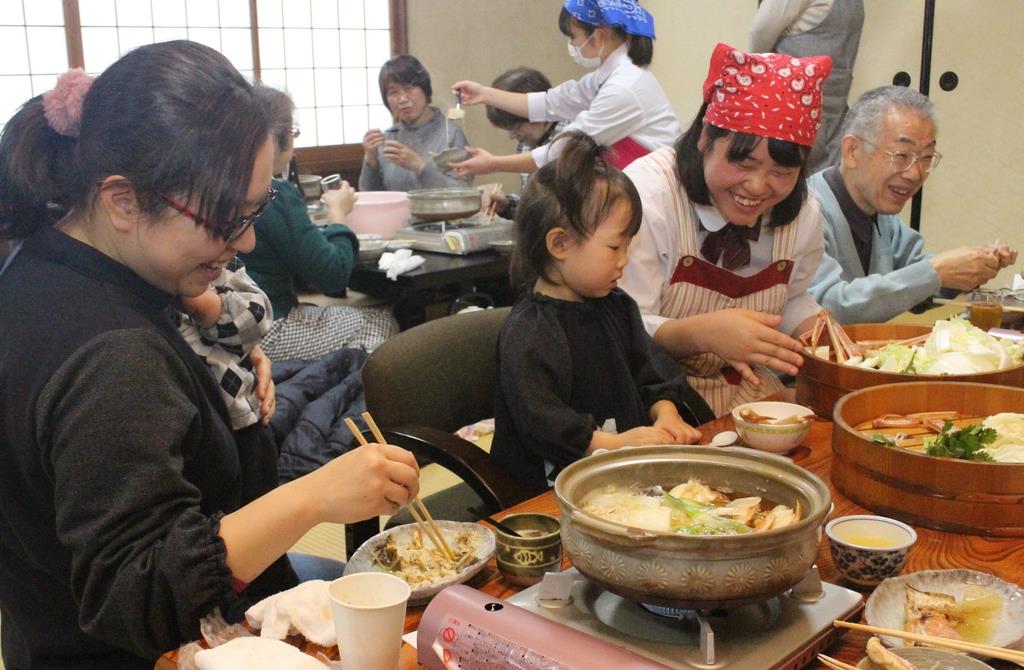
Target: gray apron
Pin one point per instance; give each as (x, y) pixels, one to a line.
(837, 36)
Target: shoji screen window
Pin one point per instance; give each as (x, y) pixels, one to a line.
(33, 51)
(111, 28)
(327, 54)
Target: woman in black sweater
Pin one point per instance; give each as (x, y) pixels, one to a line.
(123, 519)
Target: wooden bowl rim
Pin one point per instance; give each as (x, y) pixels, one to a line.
(840, 422)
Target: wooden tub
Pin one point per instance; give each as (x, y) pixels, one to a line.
(977, 498)
(821, 383)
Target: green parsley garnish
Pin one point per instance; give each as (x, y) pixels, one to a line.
(882, 439)
(968, 443)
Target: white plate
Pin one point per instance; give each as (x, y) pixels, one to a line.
(886, 606)
(932, 659)
(362, 559)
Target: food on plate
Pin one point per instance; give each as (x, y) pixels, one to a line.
(999, 437)
(970, 618)
(935, 614)
(885, 659)
(690, 508)
(954, 347)
(420, 563)
(255, 653)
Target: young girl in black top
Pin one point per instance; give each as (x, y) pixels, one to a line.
(577, 370)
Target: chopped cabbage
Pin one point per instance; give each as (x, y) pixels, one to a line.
(1008, 446)
(955, 347)
(896, 358)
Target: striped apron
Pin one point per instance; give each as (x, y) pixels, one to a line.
(699, 287)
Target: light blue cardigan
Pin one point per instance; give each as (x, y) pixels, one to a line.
(900, 274)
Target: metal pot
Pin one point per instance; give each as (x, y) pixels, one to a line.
(685, 571)
(441, 204)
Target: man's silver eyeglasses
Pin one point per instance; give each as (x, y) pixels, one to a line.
(902, 161)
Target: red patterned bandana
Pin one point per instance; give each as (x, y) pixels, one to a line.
(770, 95)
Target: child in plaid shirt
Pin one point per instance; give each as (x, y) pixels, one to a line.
(224, 327)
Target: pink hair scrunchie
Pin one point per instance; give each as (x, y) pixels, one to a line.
(62, 106)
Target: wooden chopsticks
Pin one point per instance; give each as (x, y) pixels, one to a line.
(428, 527)
(835, 663)
(970, 647)
(493, 206)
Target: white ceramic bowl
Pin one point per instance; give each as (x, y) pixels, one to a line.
(381, 212)
(924, 657)
(371, 250)
(886, 607)
(776, 438)
(363, 561)
(452, 155)
(854, 544)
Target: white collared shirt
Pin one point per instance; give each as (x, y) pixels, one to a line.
(616, 101)
(655, 251)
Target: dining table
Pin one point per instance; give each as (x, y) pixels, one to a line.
(934, 549)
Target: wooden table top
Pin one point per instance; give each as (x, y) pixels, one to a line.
(934, 549)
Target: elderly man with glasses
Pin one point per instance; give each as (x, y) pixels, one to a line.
(875, 266)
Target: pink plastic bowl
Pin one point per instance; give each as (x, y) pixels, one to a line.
(380, 212)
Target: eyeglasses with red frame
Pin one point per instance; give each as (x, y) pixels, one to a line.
(233, 231)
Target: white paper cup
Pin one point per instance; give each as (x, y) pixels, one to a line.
(369, 617)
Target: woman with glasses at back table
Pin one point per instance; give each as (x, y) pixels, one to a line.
(290, 246)
(399, 158)
(124, 521)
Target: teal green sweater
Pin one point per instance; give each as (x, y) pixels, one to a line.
(288, 244)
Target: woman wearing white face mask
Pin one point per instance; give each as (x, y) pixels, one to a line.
(620, 104)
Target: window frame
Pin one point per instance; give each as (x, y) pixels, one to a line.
(345, 158)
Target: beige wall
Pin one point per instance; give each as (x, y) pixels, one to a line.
(480, 39)
(687, 31)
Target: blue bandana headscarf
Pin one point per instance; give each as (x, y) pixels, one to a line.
(627, 14)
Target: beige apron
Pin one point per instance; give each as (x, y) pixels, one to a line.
(698, 287)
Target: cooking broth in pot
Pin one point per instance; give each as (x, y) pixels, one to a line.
(690, 508)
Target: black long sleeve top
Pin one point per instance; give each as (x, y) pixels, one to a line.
(565, 368)
(117, 461)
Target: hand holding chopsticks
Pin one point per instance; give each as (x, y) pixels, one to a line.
(428, 527)
(934, 641)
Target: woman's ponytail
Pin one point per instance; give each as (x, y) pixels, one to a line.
(38, 172)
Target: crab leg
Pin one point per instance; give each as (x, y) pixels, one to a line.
(819, 327)
(837, 343)
(842, 341)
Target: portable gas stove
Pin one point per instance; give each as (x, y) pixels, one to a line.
(589, 627)
(461, 237)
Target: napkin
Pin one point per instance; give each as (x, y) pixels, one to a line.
(255, 653)
(395, 263)
(1018, 282)
(304, 609)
